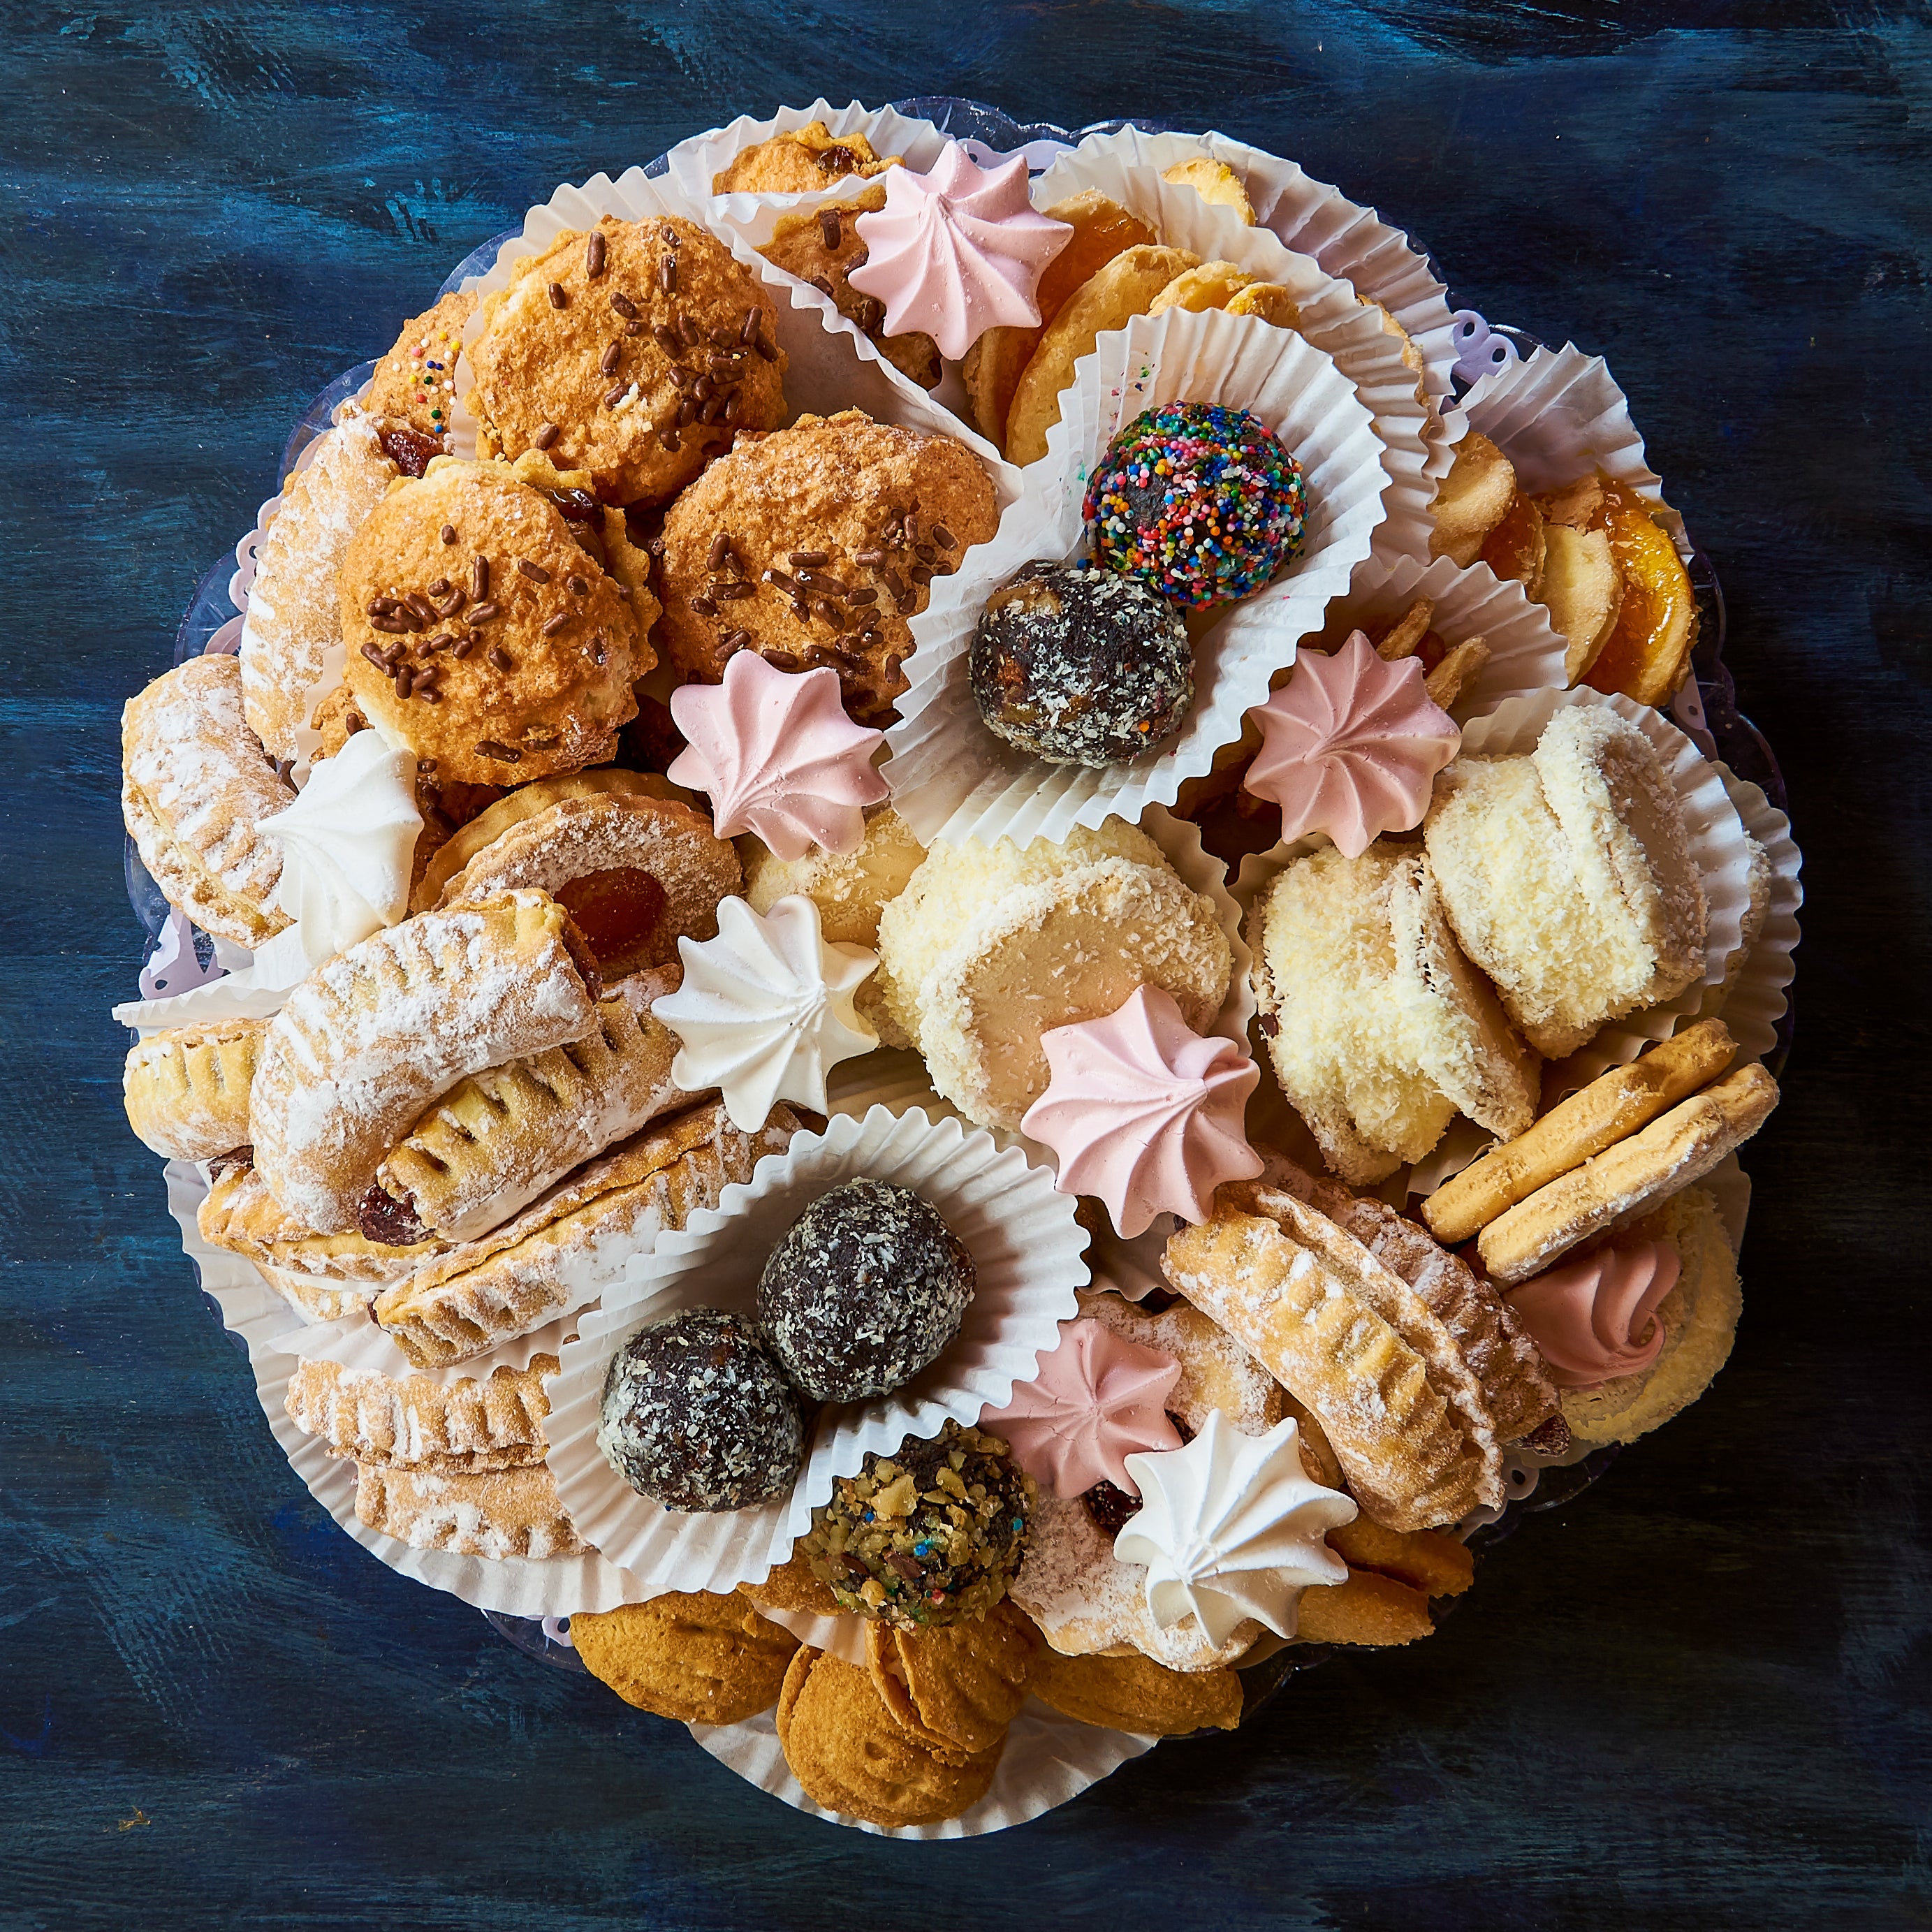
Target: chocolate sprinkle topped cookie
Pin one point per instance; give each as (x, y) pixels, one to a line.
(1080, 667)
(868, 1284)
(696, 1416)
(931, 1534)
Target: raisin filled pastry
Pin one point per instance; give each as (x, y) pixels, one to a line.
(240, 1214)
(195, 784)
(186, 1090)
(368, 1041)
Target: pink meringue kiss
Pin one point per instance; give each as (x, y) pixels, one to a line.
(957, 250)
(1351, 745)
(778, 757)
(1097, 1399)
(1144, 1113)
(1595, 1319)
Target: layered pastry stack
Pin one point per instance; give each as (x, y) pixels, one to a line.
(716, 841)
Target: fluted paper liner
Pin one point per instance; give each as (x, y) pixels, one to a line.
(952, 778)
(1557, 415)
(359, 1341)
(1350, 241)
(1048, 1759)
(1525, 652)
(692, 166)
(1333, 318)
(1027, 1250)
(273, 1333)
(1755, 1001)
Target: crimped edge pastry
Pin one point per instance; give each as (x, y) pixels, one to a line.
(478, 1423)
(498, 1138)
(527, 1271)
(186, 1090)
(195, 784)
(239, 1214)
(492, 1512)
(368, 1041)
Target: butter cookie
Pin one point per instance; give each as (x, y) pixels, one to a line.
(186, 1090)
(692, 1656)
(854, 1757)
(633, 350)
(1136, 1693)
(412, 394)
(954, 1688)
(481, 634)
(195, 784)
(796, 163)
(814, 546)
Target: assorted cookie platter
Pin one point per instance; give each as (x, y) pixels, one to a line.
(953, 944)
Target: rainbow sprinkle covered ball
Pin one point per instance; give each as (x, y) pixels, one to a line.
(1202, 504)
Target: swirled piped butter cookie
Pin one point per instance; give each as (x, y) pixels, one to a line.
(195, 784)
(988, 947)
(481, 634)
(814, 546)
(370, 1039)
(634, 350)
(291, 643)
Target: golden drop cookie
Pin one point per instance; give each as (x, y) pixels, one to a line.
(1136, 1693)
(481, 635)
(414, 387)
(954, 1688)
(854, 1757)
(634, 350)
(693, 1656)
(814, 546)
(807, 157)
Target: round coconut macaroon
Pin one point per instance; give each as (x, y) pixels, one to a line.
(989, 947)
(696, 1414)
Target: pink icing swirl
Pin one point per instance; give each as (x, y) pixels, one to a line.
(1596, 1318)
(1351, 745)
(1097, 1399)
(1144, 1113)
(957, 250)
(779, 756)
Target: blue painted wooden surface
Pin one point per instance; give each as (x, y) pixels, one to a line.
(1697, 1697)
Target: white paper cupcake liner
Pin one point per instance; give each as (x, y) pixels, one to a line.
(1378, 261)
(693, 164)
(1557, 415)
(1756, 1001)
(1049, 1760)
(1332, 319)
(359, 1341)
(1027, 1249)
(1525, 653)
(1715, 834)
(952, 778)
(273, 1333)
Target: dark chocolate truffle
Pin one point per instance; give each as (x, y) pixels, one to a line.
(867, 1287)
(1080, 666)
(696, 1415)
(1202, 503)
(932, 1535)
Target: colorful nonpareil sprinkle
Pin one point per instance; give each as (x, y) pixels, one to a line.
(1202, 503)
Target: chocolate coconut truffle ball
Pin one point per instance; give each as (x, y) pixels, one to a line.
(868, 1284)
(696, 1415)
(1203, 504)
(932, 1535)
(1081, 666)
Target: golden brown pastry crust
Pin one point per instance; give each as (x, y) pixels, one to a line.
(530, 676)
(499, 1139)
(822, 246)
(596, 371)
(492, 1512)
(875, 500)
(367, 1041)
(394, 1422)
(240, 1214)
(415, 383)
(797, 162)
(195, 784)
(516, 1277)
(186, 1090)
(693, 1656)
(562, 850)
(1136, 1693)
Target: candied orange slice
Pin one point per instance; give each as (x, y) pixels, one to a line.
(1648, 650)
(1514, 548)
(617, 910)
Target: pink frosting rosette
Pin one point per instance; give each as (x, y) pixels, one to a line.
(1097, 1399)
(957, 250)
(1144, 1113)
(1594, 1319)
(1351, 745)
(778, 757)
